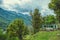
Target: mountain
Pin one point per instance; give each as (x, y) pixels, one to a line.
(7, 16)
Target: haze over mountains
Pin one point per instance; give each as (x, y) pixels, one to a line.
(8, 16)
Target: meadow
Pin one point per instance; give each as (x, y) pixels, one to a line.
(45, 35)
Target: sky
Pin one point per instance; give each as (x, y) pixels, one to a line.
(25, 6)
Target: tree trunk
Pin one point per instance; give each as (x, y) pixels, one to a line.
(20, 37)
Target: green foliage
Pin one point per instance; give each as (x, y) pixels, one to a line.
(50, 19)
(55, 5)
(26, 31)
(2, 35)
(36, 20)
(44, 35)
(16, 29)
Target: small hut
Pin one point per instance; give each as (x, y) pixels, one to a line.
(50, 26)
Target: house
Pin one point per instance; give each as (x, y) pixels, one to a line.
(49, 27)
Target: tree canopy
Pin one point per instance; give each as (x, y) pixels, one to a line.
(16, 29)
(55, 5)
(36, 20)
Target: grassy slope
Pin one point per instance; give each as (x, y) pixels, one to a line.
(44, 35)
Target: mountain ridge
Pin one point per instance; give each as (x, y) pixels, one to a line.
(9, 16)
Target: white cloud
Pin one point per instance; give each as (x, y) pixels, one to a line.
(24, 5)
(47, 12)
(0, 1)
(13, 2)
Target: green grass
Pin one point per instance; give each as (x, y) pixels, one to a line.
(44, 35)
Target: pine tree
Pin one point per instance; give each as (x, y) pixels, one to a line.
(36, 20)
